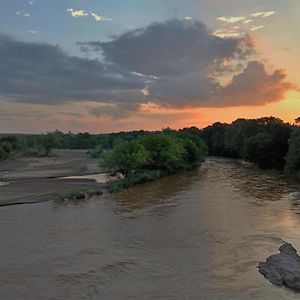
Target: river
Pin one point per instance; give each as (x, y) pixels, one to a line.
(194, 235)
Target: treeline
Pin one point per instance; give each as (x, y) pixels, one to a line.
(84, 140)
(267, 142)
(151, 156)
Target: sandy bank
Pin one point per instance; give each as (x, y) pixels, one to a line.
(32, 179)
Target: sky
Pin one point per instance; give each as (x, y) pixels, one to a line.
(115, 65)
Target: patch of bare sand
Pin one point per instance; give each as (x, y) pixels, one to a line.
(33, 179)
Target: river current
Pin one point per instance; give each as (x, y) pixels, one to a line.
(194, 235)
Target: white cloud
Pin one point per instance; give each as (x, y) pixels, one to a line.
(248, 21)
(188, 18)
(263, 14)
(257, 28)
(32, 31)
(145, 91)
(231, 19)
(22, 13)
(77, 13)
(100, 18)
(228, 33)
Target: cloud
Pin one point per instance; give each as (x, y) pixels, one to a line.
(114, 111)
(257, 28)
(170, 49)
(77, 13)
(231, 19)
(263, 14)
(32, 31)
(99, 18)
(175, 64)
(253, 86)
(24, 14)
(185, 57)
(82, 13)
(41, 73)
(188, 18)
(229, 32)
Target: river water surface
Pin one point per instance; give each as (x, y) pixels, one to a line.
(194, 235)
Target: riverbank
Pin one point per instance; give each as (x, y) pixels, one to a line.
(35, 179)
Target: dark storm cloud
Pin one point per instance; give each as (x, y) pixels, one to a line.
(171, 48)
(41, 73)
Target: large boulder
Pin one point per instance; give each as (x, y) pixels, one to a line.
(283, 268)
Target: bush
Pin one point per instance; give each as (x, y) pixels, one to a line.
(8, 145)
(96, 152)
(126, 158)
(46, 143)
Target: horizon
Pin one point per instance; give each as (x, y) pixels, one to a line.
(131, 65)
(136, 130)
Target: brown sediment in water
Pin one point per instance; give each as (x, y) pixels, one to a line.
(193, 235)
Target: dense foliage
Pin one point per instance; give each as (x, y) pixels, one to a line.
(83, 140)
(263, 141)
(151, 156)
(293, 156)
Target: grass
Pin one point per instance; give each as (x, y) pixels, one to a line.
(138, 178)
(78, 194)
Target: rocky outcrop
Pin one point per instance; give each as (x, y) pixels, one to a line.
(283, 268)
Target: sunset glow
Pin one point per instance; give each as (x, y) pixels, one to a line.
(102, 67)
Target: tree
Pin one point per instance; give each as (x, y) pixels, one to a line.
(194, 152)
(237, 133)
(268, 148)
(214, 136)
(293, 156)
(258, 149)
(126, 158)
(47, 142)
(166, 151)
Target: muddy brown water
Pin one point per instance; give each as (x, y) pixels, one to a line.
(194, 235)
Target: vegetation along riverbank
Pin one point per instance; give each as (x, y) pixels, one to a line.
(135, 157)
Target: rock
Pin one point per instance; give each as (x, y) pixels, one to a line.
(283, 268)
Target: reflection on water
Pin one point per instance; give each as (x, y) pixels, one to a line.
(262, 185)
(194, 235)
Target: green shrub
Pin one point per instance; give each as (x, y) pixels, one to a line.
(151, 156)
(96, 152)
(78, 194)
